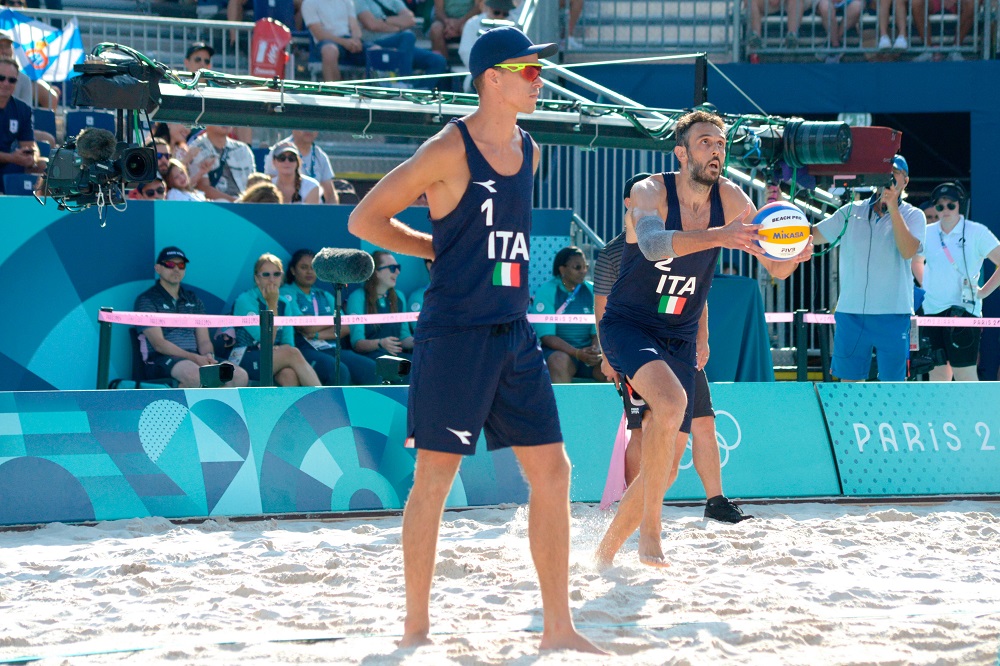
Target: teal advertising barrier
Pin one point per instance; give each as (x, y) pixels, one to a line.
(74, 456)
(924, 438)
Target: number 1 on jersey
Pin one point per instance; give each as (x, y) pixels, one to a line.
(488, 209)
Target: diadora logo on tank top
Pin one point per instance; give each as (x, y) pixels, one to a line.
(488, 184)
(673, 289)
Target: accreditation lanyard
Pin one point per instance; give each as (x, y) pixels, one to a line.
(569, 299)
(966, 284)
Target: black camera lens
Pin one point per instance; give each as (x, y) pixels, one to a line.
(138, 165)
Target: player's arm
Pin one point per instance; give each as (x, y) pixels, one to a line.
(373, 219)
(735, 199)
(656, 243)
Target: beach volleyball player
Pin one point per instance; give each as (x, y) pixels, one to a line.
(476, 362)
(677, 224)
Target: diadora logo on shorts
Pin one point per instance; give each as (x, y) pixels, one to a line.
(463, 435)
(727, 429)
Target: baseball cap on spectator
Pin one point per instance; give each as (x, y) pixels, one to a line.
(500, 5)
(172, 253)
(499, 44)
(899, 162)
(627, 190)
(927, 204)
(947, 190)
(199, 46)
(285, 148)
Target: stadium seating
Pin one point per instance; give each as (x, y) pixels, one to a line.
(44, 120)
(19, 184)
(76, 121)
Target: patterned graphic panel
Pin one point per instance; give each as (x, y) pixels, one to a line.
(914, 438)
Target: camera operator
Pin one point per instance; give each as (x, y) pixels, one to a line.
(18, 153)
(950, 266)
(876, 286)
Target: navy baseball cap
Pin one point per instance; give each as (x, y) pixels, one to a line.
(499, 44)
(899, 162)
(172, 253)
(627, 190)
(951, 191)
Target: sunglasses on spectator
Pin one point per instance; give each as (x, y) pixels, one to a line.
(162, 156)
(153, 192)
(199, 59)
(499, 13)
(270, 275)
(8, 79)
(286, 157)
(951, 205)
(392, 268)
(179, 265)
(529, 70)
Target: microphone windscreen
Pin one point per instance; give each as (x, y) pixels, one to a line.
(343, 265)
(96, 145)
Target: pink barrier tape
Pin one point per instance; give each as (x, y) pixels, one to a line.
(221, 321)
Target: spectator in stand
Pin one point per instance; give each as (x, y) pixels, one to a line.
(760, 9)
(198, 56)
(571, 350)
(334, 25)
(416, 299)
(491, 10)
(154, 190)
(33, 93)
(258, 177)
(289, 366)
(179, 185)
(386, 24)
(830, 12)
(575, 10)
(966, 10)
(261, 192)
(885, 42)
(173, 351)
(294, 187)
(176, 136)
(450, 17)
(18, 152)
(319, 343)
(313, 162)
(226, 163)
(930, 212)
(163, 155)
(379, 296)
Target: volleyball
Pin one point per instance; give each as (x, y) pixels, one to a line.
(785, 228)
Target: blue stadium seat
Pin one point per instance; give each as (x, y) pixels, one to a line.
(282, 11)
(76, 121)
(258, 157)
(44, 149)
(22, 184)
(44, 120)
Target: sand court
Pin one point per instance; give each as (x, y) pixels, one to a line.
(801, 584)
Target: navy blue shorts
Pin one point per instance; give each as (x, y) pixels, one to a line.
(635, 406)
(628, 348)
(482, 377)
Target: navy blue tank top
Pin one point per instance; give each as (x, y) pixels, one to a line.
(480, 271)
(666, 297)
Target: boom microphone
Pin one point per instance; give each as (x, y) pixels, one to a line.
(96, 145)
(342, 265)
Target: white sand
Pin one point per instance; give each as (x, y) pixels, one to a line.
(802, 584)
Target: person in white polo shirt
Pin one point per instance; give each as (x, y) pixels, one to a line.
(953, 254)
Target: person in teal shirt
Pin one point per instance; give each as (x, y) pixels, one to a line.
(416, 299)
(289, 365)
(319, 343)
(570, 350)
(379, 296)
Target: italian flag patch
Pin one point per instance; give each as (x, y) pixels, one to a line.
(507, 274)
(671, 304)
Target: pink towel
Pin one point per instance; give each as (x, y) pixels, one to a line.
(614, 487)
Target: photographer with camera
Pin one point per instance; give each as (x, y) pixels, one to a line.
(876, 286)
(176, 352)
(949, 269)
(18, 153)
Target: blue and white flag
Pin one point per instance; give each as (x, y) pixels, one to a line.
(44, 53)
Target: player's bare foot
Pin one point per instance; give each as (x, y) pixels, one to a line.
(651, 553)
(414, 640)
(570, 640)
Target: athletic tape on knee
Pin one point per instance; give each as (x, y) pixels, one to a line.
(655, 242)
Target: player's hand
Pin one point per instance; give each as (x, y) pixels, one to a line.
(701, 354)
(739, 236)
(806, 253)
(609, 372)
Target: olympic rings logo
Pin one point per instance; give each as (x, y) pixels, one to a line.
(726, 429)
